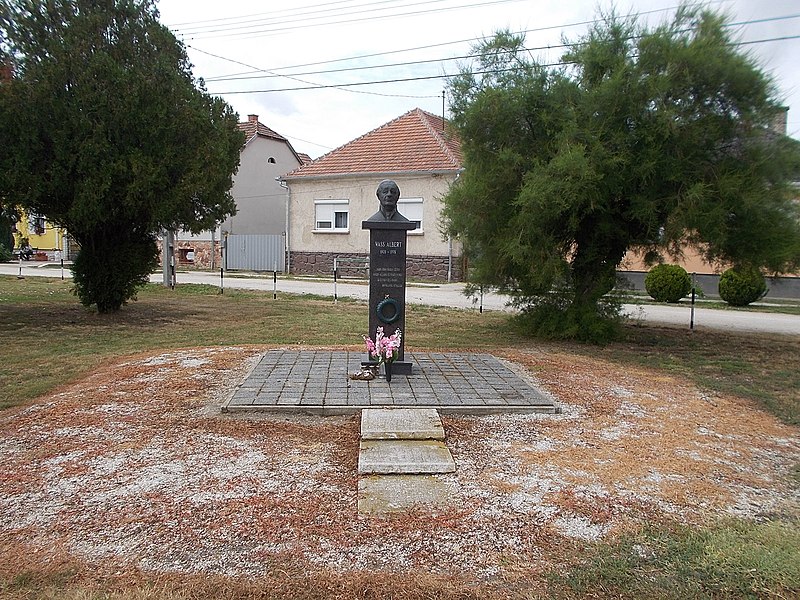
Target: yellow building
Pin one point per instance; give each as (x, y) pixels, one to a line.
(44, 238)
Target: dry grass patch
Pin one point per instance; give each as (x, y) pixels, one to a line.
(134, 471)
(129, 483)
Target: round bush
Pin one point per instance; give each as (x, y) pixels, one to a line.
(739, 286)
(667, 283)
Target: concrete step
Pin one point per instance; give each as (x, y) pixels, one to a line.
(401, 424)
(404, 457)
(400, 453)
(381, 494)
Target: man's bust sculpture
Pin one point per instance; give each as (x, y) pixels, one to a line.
(388, 194)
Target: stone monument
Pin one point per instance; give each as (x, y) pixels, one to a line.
(388, 230)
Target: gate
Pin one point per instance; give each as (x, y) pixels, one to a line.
(255, 253)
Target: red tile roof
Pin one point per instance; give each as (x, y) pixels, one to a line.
(252, 127)
(415, 141)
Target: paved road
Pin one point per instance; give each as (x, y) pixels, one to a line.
(452, 295)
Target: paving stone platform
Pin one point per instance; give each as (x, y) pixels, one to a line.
(319, 381)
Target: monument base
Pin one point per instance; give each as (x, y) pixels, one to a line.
(399, 367)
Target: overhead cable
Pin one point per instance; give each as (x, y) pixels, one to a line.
(446, 76)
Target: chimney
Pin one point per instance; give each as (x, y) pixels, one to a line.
(254, 118)
(778, 124)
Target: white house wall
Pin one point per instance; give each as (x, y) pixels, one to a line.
(363, 204)
(260, 199)
(307, 244)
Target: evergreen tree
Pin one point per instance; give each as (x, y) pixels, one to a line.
(654, 140)
(107, 134)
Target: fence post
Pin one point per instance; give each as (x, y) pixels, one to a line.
(335, 276)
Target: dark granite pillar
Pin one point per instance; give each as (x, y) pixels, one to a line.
(387, 273)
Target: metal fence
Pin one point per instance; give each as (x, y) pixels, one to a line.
(255, 253)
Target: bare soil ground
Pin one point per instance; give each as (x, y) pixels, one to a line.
(134, 469)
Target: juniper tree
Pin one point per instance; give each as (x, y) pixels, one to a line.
(107, 134)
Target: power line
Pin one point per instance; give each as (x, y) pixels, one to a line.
(775, 39)
(309, 83)
(382, 66)
(425, 47)
(359, 57)
(359, 83)
(248, 18)
(281, 26)
(445, 76)
(386, 53)
(303, 16)
(273, 74)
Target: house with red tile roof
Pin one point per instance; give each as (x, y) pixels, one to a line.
(331, 196)
(260, 198)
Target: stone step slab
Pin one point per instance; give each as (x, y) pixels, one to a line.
(401, 424)
(382, 494)
(404, 457)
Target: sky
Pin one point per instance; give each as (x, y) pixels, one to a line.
(324, 72)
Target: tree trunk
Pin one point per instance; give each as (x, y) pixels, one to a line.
(594, 271)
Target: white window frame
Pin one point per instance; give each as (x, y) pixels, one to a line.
(37, 225)
(325, 211)
(413, 210)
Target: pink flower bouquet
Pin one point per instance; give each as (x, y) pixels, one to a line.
(384, 349)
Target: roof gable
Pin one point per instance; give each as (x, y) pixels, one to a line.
(415, 141)
(253, 129)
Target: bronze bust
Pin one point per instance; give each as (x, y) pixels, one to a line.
(388, 194)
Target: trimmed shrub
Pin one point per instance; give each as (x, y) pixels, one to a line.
(109, 277)
(739, 286)
(5, 254)
(667, 283)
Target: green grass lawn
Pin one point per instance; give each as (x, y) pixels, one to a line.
(786, 306)
(49, 339)
(52, 339)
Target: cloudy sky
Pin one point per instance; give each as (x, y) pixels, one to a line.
(323, 72)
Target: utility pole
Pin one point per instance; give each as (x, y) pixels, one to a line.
(168, 259)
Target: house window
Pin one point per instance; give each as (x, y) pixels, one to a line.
(411, 209)
(186, 256)
(36, 224)
(332, 216)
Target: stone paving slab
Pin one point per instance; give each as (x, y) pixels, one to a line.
(404, 457)
(401, 424)
(318, 381)
(380, 494)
